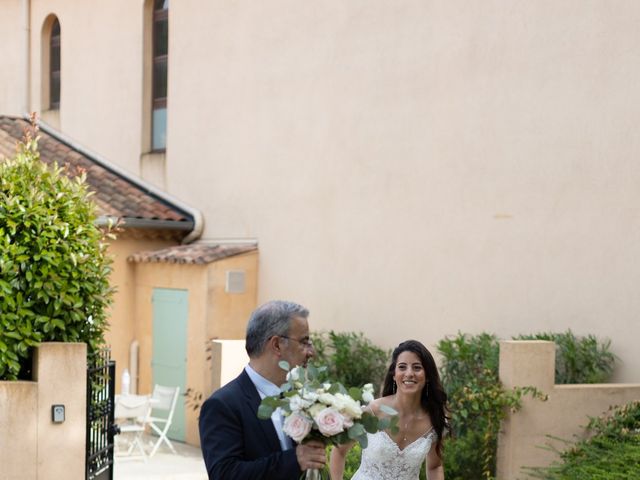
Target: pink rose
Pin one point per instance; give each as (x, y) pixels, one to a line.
(330, 422)
(297, 426)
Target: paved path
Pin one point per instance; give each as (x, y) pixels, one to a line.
(186, 465)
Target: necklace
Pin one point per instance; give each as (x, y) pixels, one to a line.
(406, 426)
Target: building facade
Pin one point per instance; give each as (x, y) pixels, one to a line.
(409, 169)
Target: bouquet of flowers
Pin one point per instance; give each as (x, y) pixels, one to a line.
(322, 410)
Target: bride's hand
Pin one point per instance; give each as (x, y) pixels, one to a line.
(338, 459)
(311, 455)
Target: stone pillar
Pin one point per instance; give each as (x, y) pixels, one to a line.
(61, 372)
(528, 363)
(522, 363)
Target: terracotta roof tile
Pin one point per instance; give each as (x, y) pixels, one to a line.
(115, 195)
(195, 253)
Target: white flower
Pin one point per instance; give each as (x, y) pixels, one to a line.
(367, 393)
(297, 403)
(348, 405)
(315, 409)
(310, 395)
(330, 422)
(297, 426)
(326, 398)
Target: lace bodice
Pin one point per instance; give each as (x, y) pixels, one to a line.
(383, 459)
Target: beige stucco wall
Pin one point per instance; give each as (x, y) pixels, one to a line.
(438, 166)
(101, 74)
(14, 26)
(32, 447)
(122, 314)
(562, 416)
(19, 430)
(228, 358)
(212, 313)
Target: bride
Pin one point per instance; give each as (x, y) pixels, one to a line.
(412, 388)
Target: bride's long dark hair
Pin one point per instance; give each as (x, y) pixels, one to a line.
(433, 397)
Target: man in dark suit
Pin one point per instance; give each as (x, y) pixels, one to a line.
(236, 444)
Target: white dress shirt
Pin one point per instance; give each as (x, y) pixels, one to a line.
(268, 389)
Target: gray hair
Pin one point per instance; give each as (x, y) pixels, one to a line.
(270, 320)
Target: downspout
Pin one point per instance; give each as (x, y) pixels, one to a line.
(26, 17)
(198, 219)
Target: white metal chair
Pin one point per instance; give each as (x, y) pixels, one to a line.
(164, 399)
(132, 414)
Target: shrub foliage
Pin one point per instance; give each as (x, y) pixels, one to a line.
(478, 403)
(53, 265)
(579, 359)
(351, 358)
(612, 452)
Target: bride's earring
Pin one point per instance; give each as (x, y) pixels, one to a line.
(395, 387)
(426, 390)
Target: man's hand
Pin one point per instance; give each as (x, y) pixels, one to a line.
(311, 455)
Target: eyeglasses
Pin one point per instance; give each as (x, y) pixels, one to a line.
(305, 342)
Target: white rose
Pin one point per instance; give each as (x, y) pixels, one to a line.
(315, 409)
(348, 405)
(330, 422)
(310, 395)
(297, 403)
(297, 426)
(326, 398)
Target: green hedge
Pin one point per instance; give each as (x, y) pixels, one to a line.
(579, 359)
(54, 271)
(479, 403)
(351, 358)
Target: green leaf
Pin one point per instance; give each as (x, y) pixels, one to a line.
(362, 440)
(284, 365)
(356, 431)
(355, 393)
(265, 411)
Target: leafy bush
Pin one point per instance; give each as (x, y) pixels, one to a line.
(351, 358)
(478, 404)
(612, 452)
(53, 266)
(578, 359)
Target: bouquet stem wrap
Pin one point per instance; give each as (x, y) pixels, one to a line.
(313, 474)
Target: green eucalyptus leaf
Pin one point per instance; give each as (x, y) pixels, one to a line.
(356, 431)
(284, 365)
(265, 411)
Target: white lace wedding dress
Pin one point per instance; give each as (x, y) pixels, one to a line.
(383, 459)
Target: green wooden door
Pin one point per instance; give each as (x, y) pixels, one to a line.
(169, 362)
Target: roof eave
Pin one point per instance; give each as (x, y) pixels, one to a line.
(147, 223)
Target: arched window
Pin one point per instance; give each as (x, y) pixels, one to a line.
(54, 66)
(160, 74)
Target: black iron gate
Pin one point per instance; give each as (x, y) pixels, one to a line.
(101, 374)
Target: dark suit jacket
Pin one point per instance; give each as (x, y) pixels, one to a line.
(235, 443)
